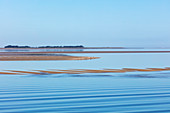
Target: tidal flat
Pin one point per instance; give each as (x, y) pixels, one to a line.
(114, 82)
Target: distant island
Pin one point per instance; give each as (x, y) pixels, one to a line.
(16, 46)
(60, 47)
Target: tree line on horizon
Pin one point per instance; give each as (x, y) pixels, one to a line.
(16, 46)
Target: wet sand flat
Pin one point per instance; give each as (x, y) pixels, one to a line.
(83, 71)
(29, 57)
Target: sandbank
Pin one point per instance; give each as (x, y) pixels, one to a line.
(82, 71)
(35, 58)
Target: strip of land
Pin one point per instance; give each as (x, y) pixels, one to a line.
(29, 57)
(74, 48)
(80, 71)
(46, 52)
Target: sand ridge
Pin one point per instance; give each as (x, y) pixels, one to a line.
(80, 71)
(39, 57)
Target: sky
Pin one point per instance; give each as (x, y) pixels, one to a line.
(127, 23)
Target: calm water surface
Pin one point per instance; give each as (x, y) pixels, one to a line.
(132, 92)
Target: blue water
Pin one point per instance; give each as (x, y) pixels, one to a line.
(133, 92)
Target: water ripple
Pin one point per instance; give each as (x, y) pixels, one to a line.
(86, 98)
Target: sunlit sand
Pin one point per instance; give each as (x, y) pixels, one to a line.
(28, 58)
(81, 71)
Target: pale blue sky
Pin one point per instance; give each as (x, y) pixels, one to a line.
(86, 22)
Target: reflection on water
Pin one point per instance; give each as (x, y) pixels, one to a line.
(118, 75)
(130, 92)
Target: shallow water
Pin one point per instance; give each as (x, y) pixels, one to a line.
(131, 92)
